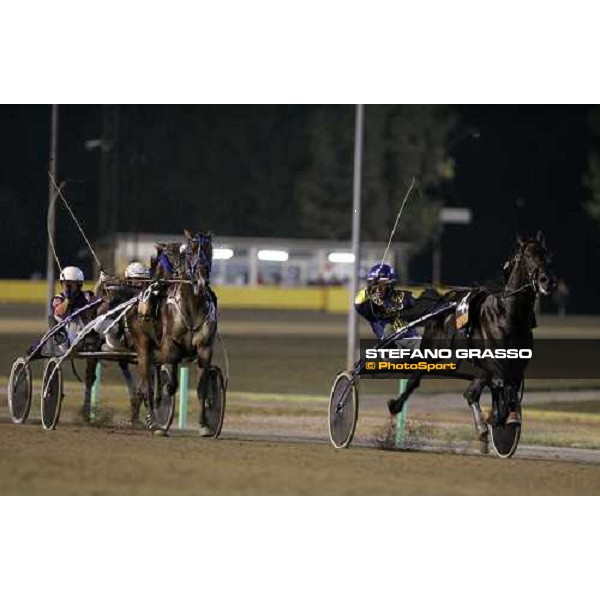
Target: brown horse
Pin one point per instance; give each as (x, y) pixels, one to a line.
(178, 323)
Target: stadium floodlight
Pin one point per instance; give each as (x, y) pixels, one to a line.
(222, 253)
(273, 255)
(341, 257)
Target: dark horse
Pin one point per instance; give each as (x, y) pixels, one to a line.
(495, 320)
(179, 323)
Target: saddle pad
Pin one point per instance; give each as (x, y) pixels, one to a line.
(462, 312)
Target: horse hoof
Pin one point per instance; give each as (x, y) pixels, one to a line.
(205, 431)
(514, 418)
(394, 406)
(160, 433)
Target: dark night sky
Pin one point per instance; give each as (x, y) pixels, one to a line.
(524, 173)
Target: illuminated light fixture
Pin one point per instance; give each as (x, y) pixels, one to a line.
(222, 253)
(340, 257)
(274, 255)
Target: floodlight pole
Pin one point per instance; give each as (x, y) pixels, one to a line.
(354, 282)
(52, 159)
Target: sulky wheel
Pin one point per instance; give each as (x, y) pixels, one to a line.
(343, 410)
(19, 391)
(504, 437)
(52, 394)
(164, 402)
(214, 402)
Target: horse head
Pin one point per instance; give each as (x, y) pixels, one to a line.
(159, 263)
(191, 261)
(532, 263)
(196, 256)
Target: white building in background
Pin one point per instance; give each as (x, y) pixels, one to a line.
(262, 261)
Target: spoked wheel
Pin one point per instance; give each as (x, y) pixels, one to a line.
(19, 391)
(52, 394)
(214, 402)
(504, 437)
(343, 410)
(164, 403)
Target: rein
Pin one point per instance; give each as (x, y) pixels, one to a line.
(519, 290)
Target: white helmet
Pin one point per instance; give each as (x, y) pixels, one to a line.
(136, 270)
(71, 274)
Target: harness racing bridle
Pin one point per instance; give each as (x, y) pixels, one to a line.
(193, 267)
(532, 274)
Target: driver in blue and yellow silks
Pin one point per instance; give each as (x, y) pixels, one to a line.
(388, 308)
(382, 303)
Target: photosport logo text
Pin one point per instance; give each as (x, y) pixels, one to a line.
(400, 362)
(545, 358)
(427, 367)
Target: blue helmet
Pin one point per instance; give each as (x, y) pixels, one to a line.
(381, 273)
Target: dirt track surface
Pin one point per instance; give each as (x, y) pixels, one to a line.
(81, 460)
(279, 385)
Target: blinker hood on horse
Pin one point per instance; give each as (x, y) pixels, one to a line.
(191, 260)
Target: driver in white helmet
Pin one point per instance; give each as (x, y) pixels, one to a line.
(72, 297)
(136, 270)
(136, 276)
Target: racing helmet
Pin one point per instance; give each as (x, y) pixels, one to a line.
(71, 274)
(381, 273)
(136, 270)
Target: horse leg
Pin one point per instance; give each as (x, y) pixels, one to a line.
(144, 388)
(90, 379)
(395, 404)
(514, 414)
(134, 400)
(508, 409)
(204, 358)
(472, 395)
